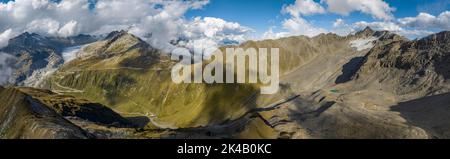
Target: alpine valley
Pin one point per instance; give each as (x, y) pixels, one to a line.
(369, 84)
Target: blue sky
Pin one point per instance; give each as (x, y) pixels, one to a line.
(263, 14)
(215, 22)
(260, 15)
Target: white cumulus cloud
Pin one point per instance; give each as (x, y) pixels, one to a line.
(304, 7)
(212, 32)
(392, 27)
(159, 22)
(425, 20)
(340, 27)
(7, 67)
(412, 27)
(270, 34)
(69, 29)
(5, 36)
(339, 22)
(300, 26)
(377, 8)
(296, 24)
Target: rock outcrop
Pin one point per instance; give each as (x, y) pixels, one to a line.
(22, 116)
(30, 113)
(38, 56)
(371, 84)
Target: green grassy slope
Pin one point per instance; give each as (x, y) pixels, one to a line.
(123, 73)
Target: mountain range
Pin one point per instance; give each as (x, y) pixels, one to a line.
(37, 55)
(370, 84)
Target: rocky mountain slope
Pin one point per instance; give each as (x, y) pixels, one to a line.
(126, 74)
(41, 114)
(424, 66)
(325, 74)
(371, 84)
(23, 117)
(38, 56)
(359, 98)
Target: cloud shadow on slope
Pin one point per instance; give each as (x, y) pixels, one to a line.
(349, 69)
(429, 113)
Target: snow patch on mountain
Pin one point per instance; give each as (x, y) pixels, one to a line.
(54, 63)
(36, 78)
(72, 53)
(363, 44)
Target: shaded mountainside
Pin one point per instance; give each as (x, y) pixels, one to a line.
(24, 117)
(371, 84)
(38, 56)
(360, 101)
(42, 114)
(73, 107)
(126, 74)
(327, 106)
(431, 113)
(410, 68)
(320, 72)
